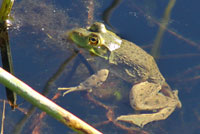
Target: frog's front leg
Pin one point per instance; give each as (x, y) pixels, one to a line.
(146, 96)
(93, 81)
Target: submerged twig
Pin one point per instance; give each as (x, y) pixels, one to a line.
(111, 119)
(108, 12)
(186, 40)
(155, 51)
(3, 117)
(46, 90)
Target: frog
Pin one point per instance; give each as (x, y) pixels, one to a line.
(150, 92)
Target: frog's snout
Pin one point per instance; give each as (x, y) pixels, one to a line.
(66, 37)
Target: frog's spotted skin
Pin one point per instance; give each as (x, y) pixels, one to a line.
(131, 63)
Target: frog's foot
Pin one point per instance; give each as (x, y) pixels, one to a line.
(147, 96)
(72, 89)
(142, 119)
(93, 81)
(172, 94)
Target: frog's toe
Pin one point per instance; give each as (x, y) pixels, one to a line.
(68, 90)
(179, 104)
(63, 88)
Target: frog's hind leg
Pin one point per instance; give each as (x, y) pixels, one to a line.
(142, 119)
(146, 96)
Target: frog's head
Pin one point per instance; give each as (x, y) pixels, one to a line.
(96, 39)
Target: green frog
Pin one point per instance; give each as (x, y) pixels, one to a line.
(126, 60)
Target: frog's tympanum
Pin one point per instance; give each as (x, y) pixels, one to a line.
(124, 59)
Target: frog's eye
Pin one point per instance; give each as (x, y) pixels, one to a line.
(93, 40)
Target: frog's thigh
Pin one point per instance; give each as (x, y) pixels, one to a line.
(146, 96)
(156, 102)
(145, 89)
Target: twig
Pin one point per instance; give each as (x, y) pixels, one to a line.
(155, 51)
(45, 104)
(3, 117)
(190, 42)
(46, 90)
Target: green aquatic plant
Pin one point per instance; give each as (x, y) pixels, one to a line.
(6, 55)
(118, 95)
(5, 10)
(155, 51)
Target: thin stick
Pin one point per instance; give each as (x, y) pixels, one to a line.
(45, 104)
(155, 51)
(3, 117)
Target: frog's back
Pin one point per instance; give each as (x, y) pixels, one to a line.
(137, 63)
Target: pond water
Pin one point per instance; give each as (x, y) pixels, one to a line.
(39, 53)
